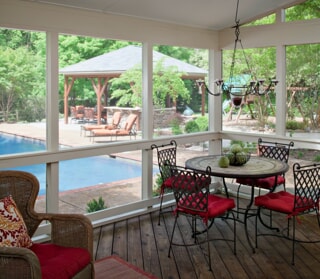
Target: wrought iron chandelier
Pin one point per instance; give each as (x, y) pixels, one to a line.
(235, 87)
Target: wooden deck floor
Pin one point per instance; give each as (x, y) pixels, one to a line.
(142, 242)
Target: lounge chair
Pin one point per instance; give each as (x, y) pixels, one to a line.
(116, 118)
(127, 130)
(77, 113)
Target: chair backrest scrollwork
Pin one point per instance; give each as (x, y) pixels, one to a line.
(307, 187)
(274, 150)
(166, 158)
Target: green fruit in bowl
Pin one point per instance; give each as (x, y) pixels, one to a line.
(241, 158)
(223, 162)
(236, 148)
(232, 157)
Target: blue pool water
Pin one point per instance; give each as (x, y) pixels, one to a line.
(77, 173)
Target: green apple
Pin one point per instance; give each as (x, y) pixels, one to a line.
(236, 148)
(223, 162)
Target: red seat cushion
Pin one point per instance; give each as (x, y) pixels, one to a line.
(283, 202)
(265, 183)
(60, 262)
(217, 206)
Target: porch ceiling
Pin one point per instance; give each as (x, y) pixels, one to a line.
(208, 14)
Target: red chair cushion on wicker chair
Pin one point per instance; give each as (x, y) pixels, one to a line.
(265, 183)
(60, 262)
(282, 202)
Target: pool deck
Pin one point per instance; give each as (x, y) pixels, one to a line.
(114, 194)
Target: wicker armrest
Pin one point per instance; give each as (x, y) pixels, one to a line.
(71, 230)
(19, 263)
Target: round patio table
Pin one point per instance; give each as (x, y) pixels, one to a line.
(256, 167)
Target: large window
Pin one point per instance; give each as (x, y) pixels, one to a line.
(22, 83)
(303, 90)
(97, 79)
(250, 113)
(180, 105)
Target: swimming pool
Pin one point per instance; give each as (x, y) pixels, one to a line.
(73, 174)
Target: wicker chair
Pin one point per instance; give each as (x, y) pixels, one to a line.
(71, 234)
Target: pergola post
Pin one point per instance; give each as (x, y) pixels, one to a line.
(99, 89)
(67, 89)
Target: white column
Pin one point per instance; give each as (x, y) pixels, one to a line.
(52, 113)
(147, 118)
(281, 91)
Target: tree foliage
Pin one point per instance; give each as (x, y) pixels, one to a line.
(167, 82)
(20, 72)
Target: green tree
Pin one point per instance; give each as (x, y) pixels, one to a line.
(20, 79)
(167, 83)
(306, 10)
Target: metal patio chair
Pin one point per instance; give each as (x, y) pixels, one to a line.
(166, 155)
(193, 198)
(273, 150)
(304, 200)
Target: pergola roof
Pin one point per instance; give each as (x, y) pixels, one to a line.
(116, 62)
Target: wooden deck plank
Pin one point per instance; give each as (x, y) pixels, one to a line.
(120, 237)
(180, 254)
(104, 248)
(167, 265)
(142, 242)
(134, 242)
(198, 254)
(151, 261)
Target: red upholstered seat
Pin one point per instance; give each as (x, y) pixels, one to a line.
(283, 202)
(60, 262)
(265, 183)
(217, 206)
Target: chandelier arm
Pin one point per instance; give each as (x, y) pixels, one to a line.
(210, 92)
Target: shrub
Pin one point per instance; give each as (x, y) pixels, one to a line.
(316, 158)
(203, 123)
(191, 127)
(95, 205)
(157, 186)
(294, 125)
(174, 122)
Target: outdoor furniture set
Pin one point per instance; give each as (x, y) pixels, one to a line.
(82, 114)
(191, 189)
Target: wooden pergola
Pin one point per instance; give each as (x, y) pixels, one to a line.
(101, 69)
